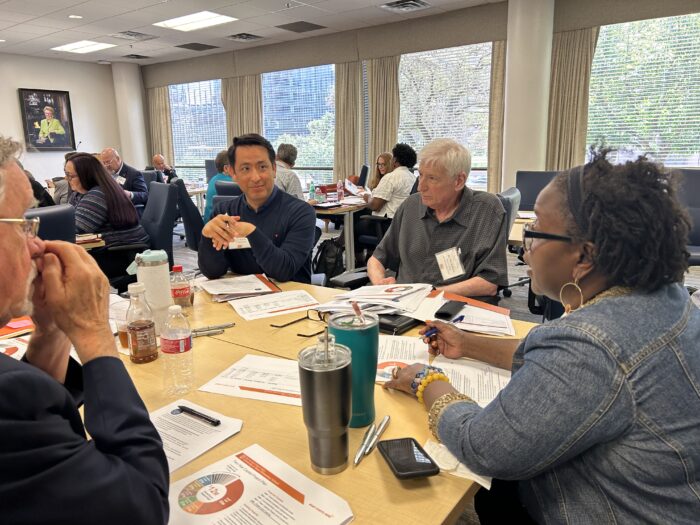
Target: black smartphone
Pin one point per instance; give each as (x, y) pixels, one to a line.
(407, 459)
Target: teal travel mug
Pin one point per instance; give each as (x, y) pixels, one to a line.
(362, 337)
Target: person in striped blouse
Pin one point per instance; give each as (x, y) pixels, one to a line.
(101, 206)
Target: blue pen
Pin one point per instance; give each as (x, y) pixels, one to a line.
(434, 331)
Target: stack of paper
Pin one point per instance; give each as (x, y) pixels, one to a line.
(396, 351)
(17, 326)
(485, 321)
(381, 299)
(480, 381)
(252, 308)
(230, 288)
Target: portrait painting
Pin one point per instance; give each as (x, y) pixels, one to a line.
(47, 120)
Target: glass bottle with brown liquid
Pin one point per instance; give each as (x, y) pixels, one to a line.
(140, 326)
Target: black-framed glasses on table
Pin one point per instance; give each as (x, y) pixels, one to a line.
(30, 227)
(311, 315)
(530, 235)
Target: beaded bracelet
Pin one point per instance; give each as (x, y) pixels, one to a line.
(426, 370)
(426, 376)
(439, 405)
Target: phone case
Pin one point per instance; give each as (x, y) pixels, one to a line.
(396, 324)
(407, 459)
(449, 310)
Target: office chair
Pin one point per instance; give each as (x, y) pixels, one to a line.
(227, 188)
(151, 176)
(362, 181)
(57, 222)
(689, 196)
(530, 184)
(318, 279)
(221, 198)
(191, 218)
(210, 168)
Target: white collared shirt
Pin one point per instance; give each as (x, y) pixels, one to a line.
(394, 188)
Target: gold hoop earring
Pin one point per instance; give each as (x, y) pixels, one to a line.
(567, 306)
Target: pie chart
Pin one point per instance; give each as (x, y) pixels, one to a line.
(211, 493)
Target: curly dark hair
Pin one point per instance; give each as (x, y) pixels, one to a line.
(631, 213)
(404, 155)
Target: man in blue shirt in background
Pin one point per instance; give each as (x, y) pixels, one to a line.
(265, 230)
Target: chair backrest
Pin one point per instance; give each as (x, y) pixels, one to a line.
(57, 223)
(210, 168)
(159, 217)
(689, 196)
(362, 181)
(414, 189)
(510, 199)
(530, 184)
(224, 187)
(151, 176)
(221, 198)
(191, 218)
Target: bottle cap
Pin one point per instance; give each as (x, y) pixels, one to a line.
(135, 288)
(177, 268)
(174, 309)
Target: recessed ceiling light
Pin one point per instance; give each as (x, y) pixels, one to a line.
(84, 46)
(77, 17)
(196, 21)
(1, 40)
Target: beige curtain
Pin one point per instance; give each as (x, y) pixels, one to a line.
(347, 154)
(383, 94)
(496, 104)
(572, 57)
(242, 100)
(160, 125)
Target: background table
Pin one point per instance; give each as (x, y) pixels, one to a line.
(346, 210)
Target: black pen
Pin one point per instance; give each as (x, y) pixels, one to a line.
(192, 412)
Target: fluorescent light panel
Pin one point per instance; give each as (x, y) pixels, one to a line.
(196, 21)
(84, 46)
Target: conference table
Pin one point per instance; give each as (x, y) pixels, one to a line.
(515, 238)
(371, 490)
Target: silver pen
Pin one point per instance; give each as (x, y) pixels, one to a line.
(214, 327)
(377, 434)
(365, 441)
(207, 332)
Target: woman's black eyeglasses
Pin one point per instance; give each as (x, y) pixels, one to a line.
(311, 315)
(529, 235)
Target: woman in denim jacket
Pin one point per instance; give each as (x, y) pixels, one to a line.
(600, 422)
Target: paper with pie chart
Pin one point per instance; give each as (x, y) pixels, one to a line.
(399, 351)
(254, 487)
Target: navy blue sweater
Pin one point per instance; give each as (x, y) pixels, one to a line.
(281, 244)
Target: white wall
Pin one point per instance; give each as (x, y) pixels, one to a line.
(91, 97)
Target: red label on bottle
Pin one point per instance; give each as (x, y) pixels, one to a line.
(183, 291)
(175, 346)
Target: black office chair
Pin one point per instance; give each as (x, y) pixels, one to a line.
(210, 168)
(159, 217)
(152, 176)
(689, 196)
(221, 198)
(191, 218)
(530, 184)
(227, 188)
(362, 180)
(57, 223)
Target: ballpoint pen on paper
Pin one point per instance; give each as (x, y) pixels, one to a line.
(365, 441)
(213, 327)
(192, 412)
(434, 331)
(377, 434)
(207, 332)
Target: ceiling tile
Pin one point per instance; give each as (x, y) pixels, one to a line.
(242, 11)
(338, 6)
(38, 7)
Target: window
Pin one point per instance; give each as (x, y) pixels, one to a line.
(299, 109)
(199, 127)
(445, 94)
(644, 96)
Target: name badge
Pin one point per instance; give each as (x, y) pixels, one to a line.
(121, 180)
(239, 243)
(449, 263)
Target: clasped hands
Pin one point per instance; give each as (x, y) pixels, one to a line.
(223, 229)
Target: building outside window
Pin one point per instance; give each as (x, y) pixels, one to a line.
(299, 109)
(644, 95)
(199, 127)
(445, 94)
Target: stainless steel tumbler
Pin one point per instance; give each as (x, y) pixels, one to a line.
(325, 377)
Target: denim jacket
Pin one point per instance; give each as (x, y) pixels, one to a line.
(601, 418)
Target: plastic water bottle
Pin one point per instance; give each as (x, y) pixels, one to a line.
(176, 345)
(340, 188)
(180, 289)
(312, 191)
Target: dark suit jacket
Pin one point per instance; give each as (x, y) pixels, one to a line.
(134, 183)
(50, 472)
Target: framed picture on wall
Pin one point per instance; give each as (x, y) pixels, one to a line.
(47, 120)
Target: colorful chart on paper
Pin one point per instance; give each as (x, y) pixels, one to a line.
(211, 493)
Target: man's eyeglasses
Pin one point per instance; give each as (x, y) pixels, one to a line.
(530, 235)
(311, 315)
(30, 227)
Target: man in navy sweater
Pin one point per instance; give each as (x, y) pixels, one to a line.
(265, 230)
